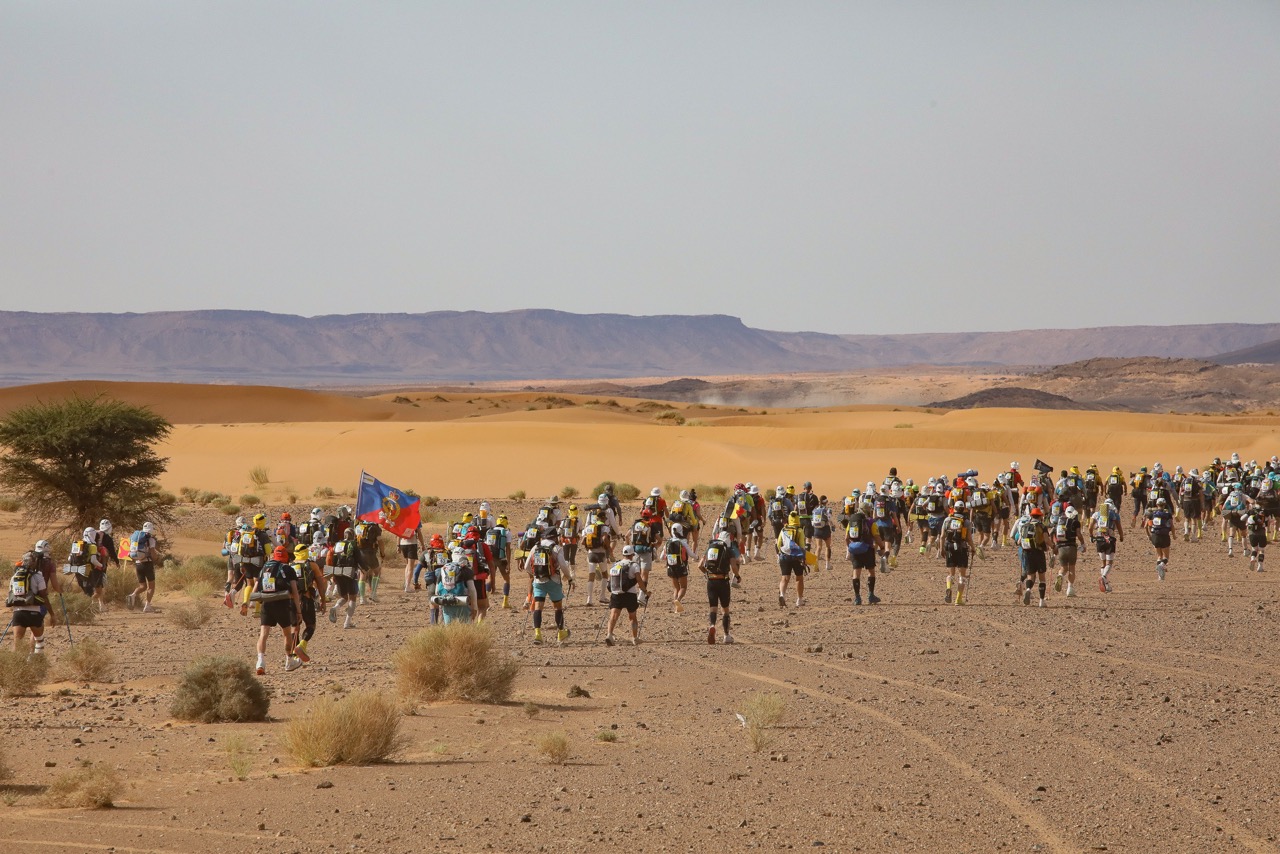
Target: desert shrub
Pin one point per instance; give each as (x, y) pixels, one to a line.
(260, 476)
(532, 709)
(120, 583)
(430, 500)
(213, 690)
(358, 729)
(903, 426)
(670, 416)
(204, 572)
(229, 509)
(457, 662)
(553, 746)
(91, 787)
(622, 491)
(568, 491)
(324, 492)
(21, 673)
(518, 495)
(217, 499)
(607, 735)
(9, 504)
(88, 661)
(389, 550)
(5, 773)
(191, 614)
(763, 712)
(250, 500)
(706, 490)
(292, 497)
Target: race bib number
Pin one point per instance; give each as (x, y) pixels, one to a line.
(673, 560)
(268, 583)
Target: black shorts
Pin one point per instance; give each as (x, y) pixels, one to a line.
(1258, 541)
(482, 595)
(348, 588)
(823, 533)
(1106, 545)
(1235, 521)
(279, 613)
(1003, 513)
(28, 619)
(982, 522)
(1067, 555)
(957, 559)
(1191, 509)
(623, 602)
(678, 571)
(250, 570)
(409, 551)
(371, 558)
(790, 565)
(1160, 539)
(1033, 561)
(863, 560)
(146, 571)
(718, 592)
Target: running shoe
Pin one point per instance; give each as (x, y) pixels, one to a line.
(782, 601)
(857, 600)
(1160, 570)
(1057, 584)
(873, 599)
(1026, 596)
(291, 664)
(728, 638)
(946, 598)
(262, 671)
(608, 640)
(711, 634)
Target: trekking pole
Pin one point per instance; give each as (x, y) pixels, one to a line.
(603, 618)
(643, 614)
(65, 619)
(6, 630)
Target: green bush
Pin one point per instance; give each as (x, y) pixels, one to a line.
(230, 509)
(250, 500)
(204, 573)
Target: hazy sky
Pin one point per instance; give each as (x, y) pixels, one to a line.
(836, 166)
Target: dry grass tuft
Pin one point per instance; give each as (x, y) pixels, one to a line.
(205, 573)
(455, 662)
(553, 746)
(763, 712)
(214, 690)
(20, 672)
(81, 610)
(92, 787)
(88, 661)
(190, 614)
(358, 729)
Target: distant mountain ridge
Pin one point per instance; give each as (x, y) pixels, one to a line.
(233, 346)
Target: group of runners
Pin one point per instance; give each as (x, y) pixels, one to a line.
(330, 563)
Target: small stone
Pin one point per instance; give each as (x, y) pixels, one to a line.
(526, 818)
(324, 784)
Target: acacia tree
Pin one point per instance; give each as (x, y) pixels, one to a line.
(75, 461)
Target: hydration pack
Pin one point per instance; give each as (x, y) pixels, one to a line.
(543, 560)
(677, 556)
(138, 545)
(22, 586)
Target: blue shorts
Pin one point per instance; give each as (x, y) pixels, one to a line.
(549, 589)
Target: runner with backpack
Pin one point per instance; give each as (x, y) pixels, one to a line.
(1067, 535)
(626, 586)
(409, 548)
(1104, 529)
(1255, 524)
(144, 550)
(86, 564)
(1033, 541)
(820, 541)
(598, 543)
(367, 534)
(676, 556)
(251, 545)
(547, 568)
(427, 572)
(497, 539)
(28, 597)
(455, 590)
(286, 532)
(792, 551)
(717, 565)
(957, 542)
(345, 566)
(310, 581)
(862, 541)
(1159, 523)
(277, 590)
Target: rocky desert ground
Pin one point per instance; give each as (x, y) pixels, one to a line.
(1141, 720)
